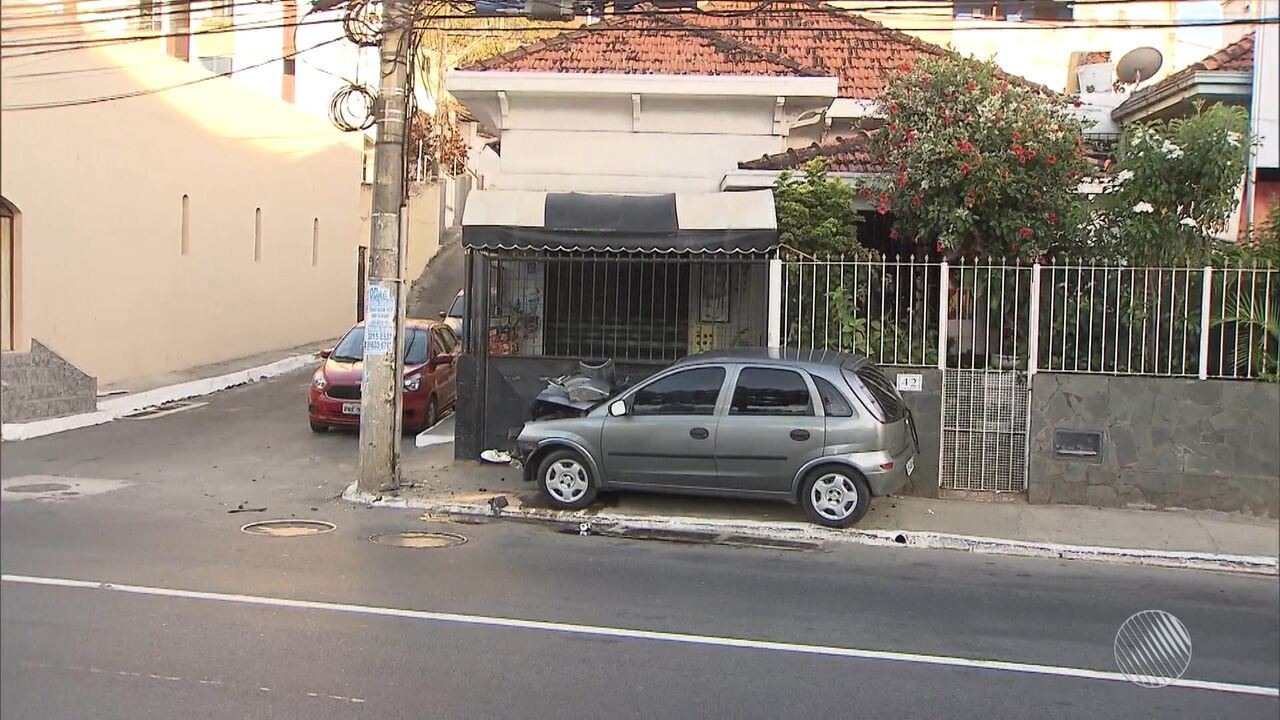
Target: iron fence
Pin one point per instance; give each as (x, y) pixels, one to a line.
(884, 310)
(1219, 322)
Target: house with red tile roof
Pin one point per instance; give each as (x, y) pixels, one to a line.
(676, 102)
(1243, 73)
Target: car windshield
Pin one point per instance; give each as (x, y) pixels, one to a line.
(351, 347)
(455, 310)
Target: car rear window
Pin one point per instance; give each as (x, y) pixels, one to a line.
(875, 391)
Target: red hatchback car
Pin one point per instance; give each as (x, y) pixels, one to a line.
(430, 370)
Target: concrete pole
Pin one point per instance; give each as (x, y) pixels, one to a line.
(380, 403)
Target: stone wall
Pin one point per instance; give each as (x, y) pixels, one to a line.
(1166, 443)
(39, 384)
(926, 408)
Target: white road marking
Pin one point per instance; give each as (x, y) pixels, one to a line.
(632, 634)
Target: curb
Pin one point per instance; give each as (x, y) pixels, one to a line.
(118, 407)
(796, 531)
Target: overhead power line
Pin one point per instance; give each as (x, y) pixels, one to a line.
(153, 91)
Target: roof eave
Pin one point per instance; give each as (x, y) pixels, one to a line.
(1209, 84)
(738, 180)
(551, 83)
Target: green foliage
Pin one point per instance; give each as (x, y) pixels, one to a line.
(1256, 331)
(816, 214)
(979, 165)
(1174, 188)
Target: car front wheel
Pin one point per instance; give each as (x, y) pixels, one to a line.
(565, 480)
(835, 497)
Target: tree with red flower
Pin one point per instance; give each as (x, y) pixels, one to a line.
(974, 181)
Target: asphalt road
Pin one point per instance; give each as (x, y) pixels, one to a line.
(152, 510)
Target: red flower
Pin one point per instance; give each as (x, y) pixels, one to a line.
(940, 247)
(1018, 149)
(971, 86)
(1053, 218)
(1031, 154)
(1017, 135)
(915, 201)
(1025, 233)
(866, 194)
(893, 107)
(904, 68)
(893, 234)
(969, 200)
(1052, 160)
(902, 179)
(1076, 103)
(882, 209)
(884, 199)
(964, 168)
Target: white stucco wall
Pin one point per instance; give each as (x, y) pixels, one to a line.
(633, 134)
(100, 190)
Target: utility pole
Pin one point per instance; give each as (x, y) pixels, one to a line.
(380, 394)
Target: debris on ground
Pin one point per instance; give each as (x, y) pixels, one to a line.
(496, 456)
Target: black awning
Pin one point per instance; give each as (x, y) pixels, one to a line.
(493, 238)
(647, 214)
(530, 221)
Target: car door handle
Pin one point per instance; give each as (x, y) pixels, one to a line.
(699, 433)
(799, 435)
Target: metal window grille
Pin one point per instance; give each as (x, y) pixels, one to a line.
(626, 307)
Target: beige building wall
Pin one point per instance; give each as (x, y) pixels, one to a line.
(177, 227)
(1043, 55)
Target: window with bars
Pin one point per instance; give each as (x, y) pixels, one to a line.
(626, 307)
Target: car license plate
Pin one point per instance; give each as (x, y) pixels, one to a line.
(911, 466)
(350, 408)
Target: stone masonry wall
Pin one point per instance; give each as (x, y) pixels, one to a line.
(40, 384)
(1167, 443)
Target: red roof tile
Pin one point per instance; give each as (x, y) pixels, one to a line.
(657, 46)
(798, 38)
(844, 155)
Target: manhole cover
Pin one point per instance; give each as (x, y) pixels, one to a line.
(427, 540)
(288, 528)
(38, 488)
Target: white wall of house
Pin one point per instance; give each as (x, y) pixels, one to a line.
(629, 133)
(1266, 108)
(179, 227)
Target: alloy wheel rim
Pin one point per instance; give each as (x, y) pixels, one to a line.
(834, 496)
(566, 480)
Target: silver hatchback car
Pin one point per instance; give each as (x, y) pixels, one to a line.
(824, 429)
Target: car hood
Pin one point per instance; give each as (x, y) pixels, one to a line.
(349, 372)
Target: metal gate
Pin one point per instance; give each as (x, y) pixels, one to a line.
(985, 388)
(984, 430)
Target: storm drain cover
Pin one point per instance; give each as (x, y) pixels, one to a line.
(288, 528)
(38, 488)
(419, 540)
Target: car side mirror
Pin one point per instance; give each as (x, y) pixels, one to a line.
(618, 408)
(444, 359)
(443, 314)
(325, 353)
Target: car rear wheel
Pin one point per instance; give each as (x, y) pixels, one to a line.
(433, 414)
(834, 496)
(318, 427)
(565, 480)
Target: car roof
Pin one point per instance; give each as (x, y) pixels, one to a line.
(782, 357)
(425, 323)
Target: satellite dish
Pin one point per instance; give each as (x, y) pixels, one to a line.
(1139, 64)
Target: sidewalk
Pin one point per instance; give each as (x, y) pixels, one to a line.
(120, 399)
(441, 486)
